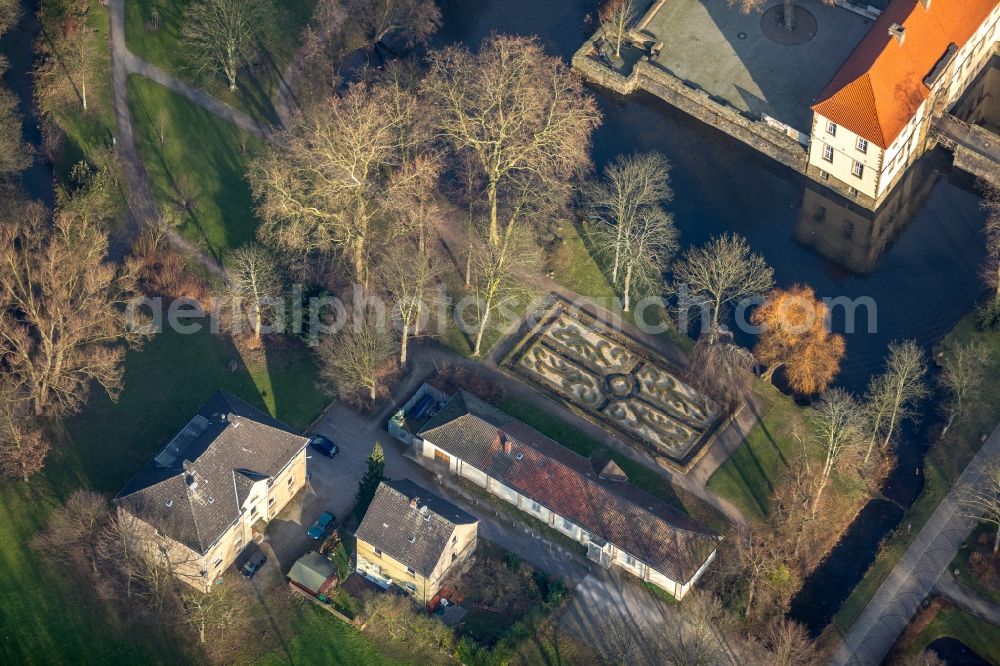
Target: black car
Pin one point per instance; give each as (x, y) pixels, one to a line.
(322, 445)
(254, 564)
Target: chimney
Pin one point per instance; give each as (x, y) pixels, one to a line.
(508, 445)
(413, 502)
(898, 32)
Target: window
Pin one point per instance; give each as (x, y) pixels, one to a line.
(858, 169)
(290, 479)
(828, 153)
(629, 560)
(567, 524)
(848, 229)
(378, 553)
(270, 501)
(411, 571)
(831, 128)
(253, 511)
(862, 145)
(536, 507)
(217, 562)
(824, 175)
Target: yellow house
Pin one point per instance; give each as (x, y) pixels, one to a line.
(413, 539)
(195, 504)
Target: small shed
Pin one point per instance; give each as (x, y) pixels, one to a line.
(313, 573)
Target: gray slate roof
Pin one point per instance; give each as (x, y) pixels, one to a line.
(415, 536)
(195, 488)
(571, 486)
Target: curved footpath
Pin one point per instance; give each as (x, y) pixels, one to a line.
(873, 634)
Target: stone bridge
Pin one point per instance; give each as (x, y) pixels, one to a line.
(976, 149)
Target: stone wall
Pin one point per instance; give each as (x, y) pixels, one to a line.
(648, 76)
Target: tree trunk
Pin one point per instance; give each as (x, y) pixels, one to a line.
(403, 340)
(871, 442)
(83, 89)
(789, 15)
(769, 373)
(750, 594)
(494, 224)
(996, 541)
(819, 492)
(482, 329)
(628, 286)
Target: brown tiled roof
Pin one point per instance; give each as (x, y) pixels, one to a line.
(881, 85)
(195, 488)
(415, 536)
(565, 483)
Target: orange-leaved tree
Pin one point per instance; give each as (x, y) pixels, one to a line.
(795, 337)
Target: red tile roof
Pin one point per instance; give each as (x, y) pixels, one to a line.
(880, 86)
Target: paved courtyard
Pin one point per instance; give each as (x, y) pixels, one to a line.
(727, 54)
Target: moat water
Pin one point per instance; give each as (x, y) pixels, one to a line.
(918, 262)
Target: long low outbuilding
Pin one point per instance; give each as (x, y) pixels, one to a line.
(588, 500)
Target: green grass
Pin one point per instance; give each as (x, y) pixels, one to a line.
(320, 638)
(944, 462)
(279, 41)
(961, 562)
(749, 476)
(980, 636)
(49, 620)
(201, 160)
(639, 475)
(574, 267)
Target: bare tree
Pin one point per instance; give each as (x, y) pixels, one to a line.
(722, 369)
(10, 13)
(73, 530)
(23, 443)
(721, 273)
(408, 275)
(621, 641)
(838, 424)
(255, 286)
(788, 644)
(355, 360)
(219, 35)
(62, 309)
(981, 500)
(892, 396)
(695, 638)
(630, 184)
(964, 369)
(643, 252)
(990, 311)
(523, 118)
(67, 57)
(414, 21)
(15, 154)
(335, 181)
(616, 21)
(218, 611)
(498, 278)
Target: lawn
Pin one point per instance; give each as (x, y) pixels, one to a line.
(91, 130)
(749, 476)
(980, 636)
(319, 638)
(278, 43)
(100, 449)
(981, 540)
(943, 463)
(198, 169)
(639, 475)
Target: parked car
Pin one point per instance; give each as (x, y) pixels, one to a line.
(322, 525)
(254, 564)
(324, 446)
